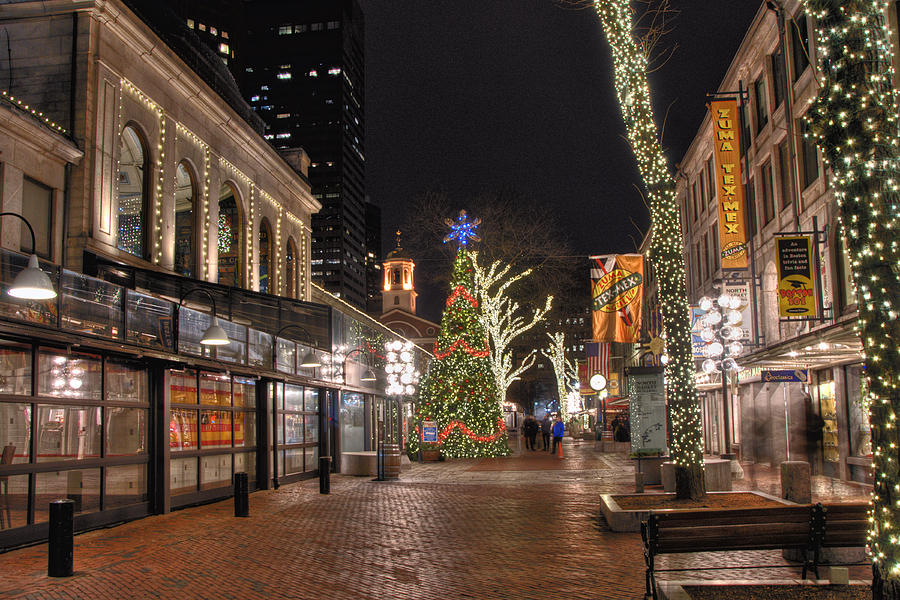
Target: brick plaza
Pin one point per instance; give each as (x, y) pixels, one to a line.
(523, 527)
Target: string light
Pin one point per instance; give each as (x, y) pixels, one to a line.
(633, 93)
(503, 322)
(35, 113)
(566, 372)
(459, 392)
(854, 121)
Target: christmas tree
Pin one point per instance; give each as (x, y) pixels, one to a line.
(459, 392)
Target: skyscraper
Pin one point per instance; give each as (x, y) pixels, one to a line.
(300, 65)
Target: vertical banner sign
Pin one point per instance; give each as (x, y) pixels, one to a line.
(796, 282)
(617, 289)
(729, 189)
(647, 409)
(742, 291)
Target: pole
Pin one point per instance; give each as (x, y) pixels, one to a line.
(421, 437)
(787, 428)
(60, 552)
(726, 412)
(241, 495)
(324, 474)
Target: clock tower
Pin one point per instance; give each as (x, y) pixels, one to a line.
(399, 290)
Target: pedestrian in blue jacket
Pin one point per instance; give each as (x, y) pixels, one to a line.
(559, 429)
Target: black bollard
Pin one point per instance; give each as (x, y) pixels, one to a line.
(324, 474)
(241, 495)
(60, 551)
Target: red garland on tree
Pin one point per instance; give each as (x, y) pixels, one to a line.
(459, 392)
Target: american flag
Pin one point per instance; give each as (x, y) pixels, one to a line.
(597, 358)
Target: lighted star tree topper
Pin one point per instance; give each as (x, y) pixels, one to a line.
(459, 392)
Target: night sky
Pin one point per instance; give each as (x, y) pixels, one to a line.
(464, 96)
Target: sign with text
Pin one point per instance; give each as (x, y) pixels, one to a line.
(729, 189)
(429, 432)
(742, 291)
(796, 282)
(697, 342)
(784, 376)
(647, 409)
(617, 291)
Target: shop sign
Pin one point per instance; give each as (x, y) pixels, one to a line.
(612, 384)
(796, 283)
(697, 343)
(785, 376)
(429, 432)
(742, 291)
(729, 188)
(647, 409)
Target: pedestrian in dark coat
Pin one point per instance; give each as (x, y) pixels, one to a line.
(530, 429)
(545, 433)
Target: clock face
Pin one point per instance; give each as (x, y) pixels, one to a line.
(598, 382)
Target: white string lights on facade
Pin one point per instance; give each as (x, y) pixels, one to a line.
(402, 376)
(35, 113)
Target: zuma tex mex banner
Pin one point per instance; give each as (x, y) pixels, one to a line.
(617, 287)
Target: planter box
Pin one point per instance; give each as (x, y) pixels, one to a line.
(431, 455)
(718, 475)
(650, 467)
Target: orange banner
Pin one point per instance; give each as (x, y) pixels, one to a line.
(617, 289)
(729, 189)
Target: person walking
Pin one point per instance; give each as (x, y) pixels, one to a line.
(530, 428)
(559, 429)
(545, 433)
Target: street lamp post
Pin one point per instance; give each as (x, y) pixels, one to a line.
(719, 329)
(402, 378)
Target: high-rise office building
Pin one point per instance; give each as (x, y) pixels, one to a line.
(300, 65)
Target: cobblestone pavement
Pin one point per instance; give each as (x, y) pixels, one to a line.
(456, 529)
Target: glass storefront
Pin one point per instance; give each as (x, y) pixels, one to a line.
(857, 417)
(86, 416)
(296, 428)
(212, 431)
(353, 422)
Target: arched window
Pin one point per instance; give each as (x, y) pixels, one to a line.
(132, 211)
(265, 253)
(290, 271)
(231, 271)
(185, 217)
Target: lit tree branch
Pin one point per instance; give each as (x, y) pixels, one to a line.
(503, 320)
(564, 369)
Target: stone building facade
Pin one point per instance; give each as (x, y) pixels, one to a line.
(787, 191)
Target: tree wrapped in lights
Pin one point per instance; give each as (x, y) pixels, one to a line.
(566, 372)
(503, 320)
(633, 92)
(854, 122)
(459, 392)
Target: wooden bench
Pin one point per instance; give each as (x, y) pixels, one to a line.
(763, 528)
(842, 526)
(803, 527)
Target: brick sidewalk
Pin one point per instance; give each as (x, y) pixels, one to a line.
(459, 529)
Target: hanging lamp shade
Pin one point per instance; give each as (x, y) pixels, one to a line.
(31, 283)
(310, 360)
(368, 376)
(215, 335)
